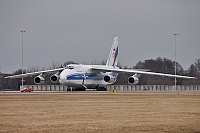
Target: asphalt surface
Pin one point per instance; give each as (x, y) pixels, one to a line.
(97, 92)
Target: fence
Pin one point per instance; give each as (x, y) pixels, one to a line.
(153, 87)
(121, 87)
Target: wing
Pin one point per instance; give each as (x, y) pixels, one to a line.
(113, 69)
(35, 73)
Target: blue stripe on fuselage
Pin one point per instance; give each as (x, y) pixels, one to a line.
(78, 76)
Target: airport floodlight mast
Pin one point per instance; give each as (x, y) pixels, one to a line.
(175, 34)
(22, 31)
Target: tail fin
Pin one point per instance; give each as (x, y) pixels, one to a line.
(113, 56)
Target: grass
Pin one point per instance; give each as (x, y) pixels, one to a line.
(119, 113)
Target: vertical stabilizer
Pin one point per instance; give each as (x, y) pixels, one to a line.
(113, 55)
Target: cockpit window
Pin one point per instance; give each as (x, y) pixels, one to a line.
(69, 67)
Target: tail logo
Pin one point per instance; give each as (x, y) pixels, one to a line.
(115, 54)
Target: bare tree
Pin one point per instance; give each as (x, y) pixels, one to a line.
(194, 70)
(54, 65)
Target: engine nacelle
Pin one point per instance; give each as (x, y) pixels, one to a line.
(54, 78)
(39, 80)
(133, 80)
(109, 79)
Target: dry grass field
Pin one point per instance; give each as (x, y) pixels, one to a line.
(100, 113)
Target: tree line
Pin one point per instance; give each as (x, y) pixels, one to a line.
(161, 65)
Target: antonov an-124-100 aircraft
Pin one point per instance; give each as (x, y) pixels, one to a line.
(92, 76)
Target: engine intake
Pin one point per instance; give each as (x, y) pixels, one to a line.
(39, 80)
(133, 80)
(109, 79)
(54, 78)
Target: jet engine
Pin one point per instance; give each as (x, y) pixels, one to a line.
(54, 78)
(133, 80)
(109, 79)
(39, 80)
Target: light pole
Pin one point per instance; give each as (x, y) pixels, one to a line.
(175, 34)
(22, 31)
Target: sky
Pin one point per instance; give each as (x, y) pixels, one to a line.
(83, 31)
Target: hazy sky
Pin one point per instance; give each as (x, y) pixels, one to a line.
(83, 31)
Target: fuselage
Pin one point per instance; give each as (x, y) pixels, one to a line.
(82, 76)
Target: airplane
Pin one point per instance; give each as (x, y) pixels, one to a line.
(93, 76)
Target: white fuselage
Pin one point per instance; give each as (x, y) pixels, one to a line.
(82, 76)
